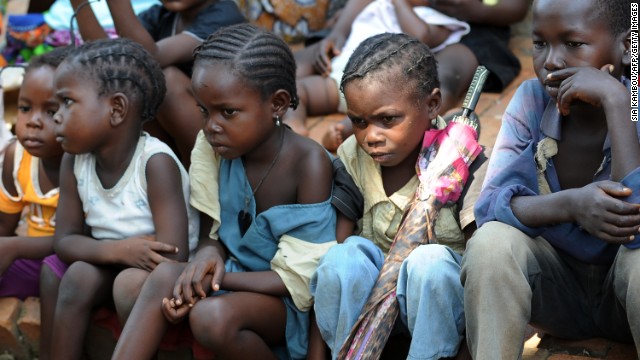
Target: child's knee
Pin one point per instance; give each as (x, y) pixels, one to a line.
(431, 265)
(211, 321)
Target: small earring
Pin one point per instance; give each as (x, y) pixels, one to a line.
(278, 120)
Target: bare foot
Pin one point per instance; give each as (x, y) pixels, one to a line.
(298, 126)
(333, 137)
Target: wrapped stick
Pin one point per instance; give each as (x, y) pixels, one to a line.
(443, 169)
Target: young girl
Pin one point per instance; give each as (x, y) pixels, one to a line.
(30, 181)
(170, 32)
(264, 223)
(392, 92)
(124, 187)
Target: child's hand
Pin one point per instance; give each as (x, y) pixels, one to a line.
(143, 252)
(598, 211)
(328, 49)
(174, 313)
(586, 84)
(197, 279)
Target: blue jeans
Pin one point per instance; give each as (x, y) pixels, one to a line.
(429, 294)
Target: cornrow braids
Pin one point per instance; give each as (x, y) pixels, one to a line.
(384, 52)
(259, 56)
(52, 58)
(121, 65)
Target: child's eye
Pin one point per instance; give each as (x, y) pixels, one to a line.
(389, 119)
(51, 112)
(66, 101)
(539, 44)
(229, 112)
(574, 44)
(24, 108)
(358, 122)
(203, 111)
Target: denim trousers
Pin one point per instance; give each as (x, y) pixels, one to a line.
(429, 294)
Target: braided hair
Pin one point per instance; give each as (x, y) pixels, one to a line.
(259, 56)
(380, 53)
(121, 65)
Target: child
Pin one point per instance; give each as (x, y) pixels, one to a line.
(319, 93)
(126, 188)
(261, 237)
(30, 180)
(486, 43)
(391, 88)
(557, 202)
(170, 32)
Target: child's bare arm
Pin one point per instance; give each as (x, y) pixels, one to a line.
(411, 24)
(167, 203)
(505, 12)
(71, 243)
(598, 88)
(344, 227)
(88, 24)
(9, 222)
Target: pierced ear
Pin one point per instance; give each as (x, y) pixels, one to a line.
(434, 103)
(280, 102)
(119, 108)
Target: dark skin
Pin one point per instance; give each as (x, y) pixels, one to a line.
(318, 93)
(248, 321)
(456, 62)
(178, 114)
(389, 126)
(579, 60)
(111, 133)
(34, 128)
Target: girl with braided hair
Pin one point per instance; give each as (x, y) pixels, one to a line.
(123, 205)
(245, 294)
(393, 98)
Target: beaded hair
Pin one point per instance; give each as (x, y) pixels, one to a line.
(381, 53)
(259, 56)
(121, 65)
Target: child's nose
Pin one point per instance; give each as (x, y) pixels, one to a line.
(35, 120)
(57, 118)
(553, 60)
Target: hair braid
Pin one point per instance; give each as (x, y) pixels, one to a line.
(121, 65)
(261, 57)
(390, 51)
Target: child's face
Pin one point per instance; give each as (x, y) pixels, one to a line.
(83, 117)
(35, 128)
(388, 121)
(566, 34)
(235, 117)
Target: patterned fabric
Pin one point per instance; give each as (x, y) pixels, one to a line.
(513, 170)
(42, 207)
(443, 169)
(290, 19)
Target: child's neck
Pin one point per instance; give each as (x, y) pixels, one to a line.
(113, 160)
(50, 175)
(188, 16)
(395, 177)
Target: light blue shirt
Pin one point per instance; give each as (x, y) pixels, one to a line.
(59, 14)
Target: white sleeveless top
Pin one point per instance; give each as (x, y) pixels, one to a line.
(123, 210)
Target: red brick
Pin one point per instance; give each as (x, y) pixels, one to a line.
(570, 357)
(9, 335)
(29, 322)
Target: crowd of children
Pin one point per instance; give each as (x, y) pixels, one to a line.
(266, 245)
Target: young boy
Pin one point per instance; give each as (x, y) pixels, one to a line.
(170, 32)
(557, 201)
